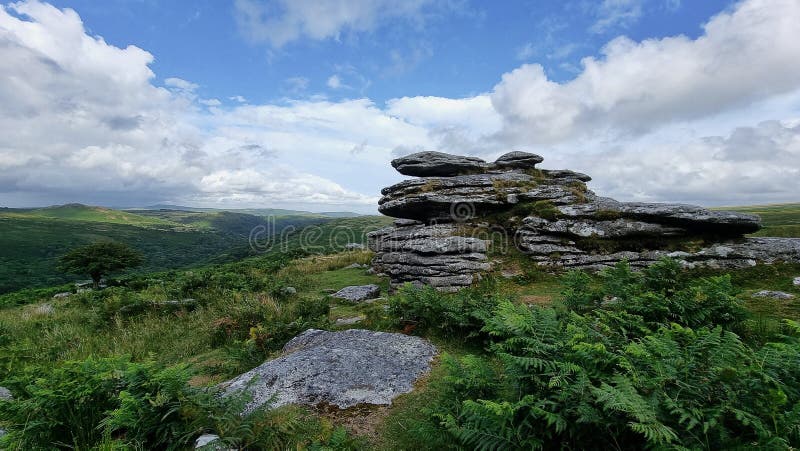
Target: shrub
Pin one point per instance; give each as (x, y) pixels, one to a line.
(659, 367)
(425, 309)
(114, 403)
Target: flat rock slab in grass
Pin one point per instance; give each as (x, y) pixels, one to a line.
(358, 293)
(348, 321)
(773, 295)
(343, 369)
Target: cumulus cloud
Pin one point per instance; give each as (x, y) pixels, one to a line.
(280, 22)
(712, 120)
(743, 56)
(752, 164)
(113, 134)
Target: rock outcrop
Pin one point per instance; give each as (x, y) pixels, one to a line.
(551, 215)
(342, 369)
(358, 293)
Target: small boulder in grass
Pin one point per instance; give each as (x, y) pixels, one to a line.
(796, 281)
(358, 293)
(5, 394)
(773, 295)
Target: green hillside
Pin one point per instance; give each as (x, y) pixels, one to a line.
(32, 239)
(79, 212)
(781, 220)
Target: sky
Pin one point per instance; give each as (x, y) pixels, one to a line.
(302, 104)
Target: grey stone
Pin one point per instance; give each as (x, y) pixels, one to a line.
(425, 164)
(342, 369)
(773, 295)
(62, 295)
(358, 293)
(466, 197)
(517, 160)
(796, 281)
(355, 266)
(687, 216)
(5, 394)
(354, 247)
(288, 291)
(210, 442)
(348, 321)
(428, 255)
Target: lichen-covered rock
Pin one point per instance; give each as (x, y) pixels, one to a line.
(342, 369)
(432, 255)
(424, 164)
(517, 160)
(773, 295)
(5, 394)
(466, 197)
(358, 293)
(796, 281)
(552, 216)
(726, 223)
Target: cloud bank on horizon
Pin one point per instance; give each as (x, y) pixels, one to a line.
(711, 119)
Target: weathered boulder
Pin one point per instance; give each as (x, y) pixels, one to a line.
(726, 223)
(773, 295)
(210, 442)
(424, 164)
(62, 295)
(355, 247)
(342, 369)
(517, 160)
(552, 216)
(432, 255)
(5, 394)
(358, 293)
(796, 281)
(348, 321)
(466, 197)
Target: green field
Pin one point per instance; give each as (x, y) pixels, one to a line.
(32, 239)
(780, 220)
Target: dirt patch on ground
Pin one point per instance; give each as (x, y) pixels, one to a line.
(535, 300)
(362, 420)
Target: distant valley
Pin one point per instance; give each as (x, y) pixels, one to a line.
(171, 236)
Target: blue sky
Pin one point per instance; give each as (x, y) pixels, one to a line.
(457, 51)
(303, 103)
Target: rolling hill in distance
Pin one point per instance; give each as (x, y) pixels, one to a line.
(32, 239)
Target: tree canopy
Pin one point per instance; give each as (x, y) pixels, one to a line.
(100, 258)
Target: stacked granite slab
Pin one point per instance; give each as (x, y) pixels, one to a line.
(550, 215)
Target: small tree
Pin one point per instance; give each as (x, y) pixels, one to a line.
(100, 258)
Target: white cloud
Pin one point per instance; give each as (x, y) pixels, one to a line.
(334, 82)
(713, 119)
(180, 84)
(616, 13)
(114, 137)
(296, 85)
(744, 55)
(210, 102)
(283, 21)
(526, 51)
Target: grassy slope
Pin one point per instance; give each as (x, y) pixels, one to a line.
(31, 245)
(74, 328)
(780, 220)
(78, 212)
